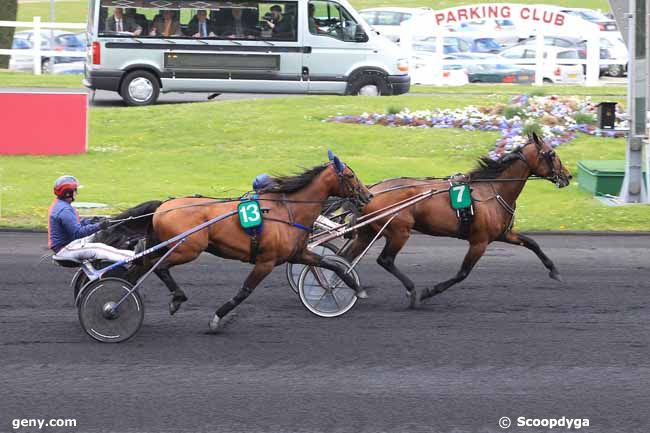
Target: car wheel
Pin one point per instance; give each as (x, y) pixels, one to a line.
(369, 84)
(140, 88)
(46, 66)
(547, 81)
(615, 71)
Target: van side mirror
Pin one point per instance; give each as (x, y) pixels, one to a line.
(360, 35)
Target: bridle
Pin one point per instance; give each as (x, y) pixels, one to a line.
(549, 157)
(349, 187)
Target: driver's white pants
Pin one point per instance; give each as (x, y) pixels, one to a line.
(85, 249)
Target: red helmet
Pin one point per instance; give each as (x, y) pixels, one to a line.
(64, 186)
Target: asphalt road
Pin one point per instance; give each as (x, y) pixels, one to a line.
(508, 341)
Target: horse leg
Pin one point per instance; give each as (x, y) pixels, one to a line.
(178, 296)
(515, 238)
(386, 260)
(312, 259)
(259, 272)
(476, 251)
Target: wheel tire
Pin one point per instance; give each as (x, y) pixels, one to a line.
(547, 81)
(615, 71)
(46, 66)
(116, 328)
(140, 88)
(293, 271)
(362, 85)
(309, 291)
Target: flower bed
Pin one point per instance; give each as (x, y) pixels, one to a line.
(555, 116)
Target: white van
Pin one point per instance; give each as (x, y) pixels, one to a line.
(287, 46)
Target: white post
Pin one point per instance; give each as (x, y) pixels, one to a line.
(593, 58)
(539, 58)
(438, 56)
(36, 45)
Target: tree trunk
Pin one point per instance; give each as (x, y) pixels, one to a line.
(8, 12)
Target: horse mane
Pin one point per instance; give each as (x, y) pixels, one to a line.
(289, 184)
(490, 169)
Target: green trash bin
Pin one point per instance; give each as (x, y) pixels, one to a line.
(601, 177)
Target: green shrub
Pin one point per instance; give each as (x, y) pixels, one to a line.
(510, 112)
(394, 109)
(8, 11)
(532, 127)
(585, 118)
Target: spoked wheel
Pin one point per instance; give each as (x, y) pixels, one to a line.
(324, 293)
(101, 319)
(294, 269)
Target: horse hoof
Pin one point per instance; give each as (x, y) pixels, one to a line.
(173, 307)
(215, 324)
(362, 294)
(414, 299)
(555, 275)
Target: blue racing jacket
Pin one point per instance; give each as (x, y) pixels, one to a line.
(64, 225)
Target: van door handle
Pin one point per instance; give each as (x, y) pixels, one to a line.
(306, 50)
(305, 72)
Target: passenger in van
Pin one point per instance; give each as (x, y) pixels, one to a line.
(281, 26)
(140, 19)
(238, 27)
(200, 27)
(313, 27)
(118, 22)
(166, 25)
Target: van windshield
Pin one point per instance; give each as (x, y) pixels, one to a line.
(261, 20)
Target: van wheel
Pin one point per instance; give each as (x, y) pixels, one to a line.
(140, 88)
(369, 84)
(547, 81)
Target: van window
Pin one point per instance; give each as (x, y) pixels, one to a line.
(327, 18)
(265, 20)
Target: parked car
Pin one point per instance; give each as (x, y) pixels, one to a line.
(558, 67)
(579, 44)
(603, 22)
(468, 44)
(387, 20)
(423, 72)
(500, 74)
(55, 40)
(427, 45)
(503, 31)
(21, 62)
(617, 49)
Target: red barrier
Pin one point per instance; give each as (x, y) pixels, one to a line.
(43, 123)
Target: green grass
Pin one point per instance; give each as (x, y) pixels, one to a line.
(77, 11)
(217, 148)
(27, 79)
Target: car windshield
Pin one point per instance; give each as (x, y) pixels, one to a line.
(20, 44)
(592, 16)
(487, 44)
(70, 40)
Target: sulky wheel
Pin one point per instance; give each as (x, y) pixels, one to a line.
(324, 293)
(99, 317)
(294, 269)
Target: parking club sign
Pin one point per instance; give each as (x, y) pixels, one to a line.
(535, 14)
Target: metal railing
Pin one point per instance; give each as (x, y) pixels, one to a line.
(36, 52)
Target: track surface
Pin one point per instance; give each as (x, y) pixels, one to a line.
(508, 341)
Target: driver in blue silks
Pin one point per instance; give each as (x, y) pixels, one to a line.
(70, 237)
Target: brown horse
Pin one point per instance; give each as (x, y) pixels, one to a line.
(495, 186)
(290, 206)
